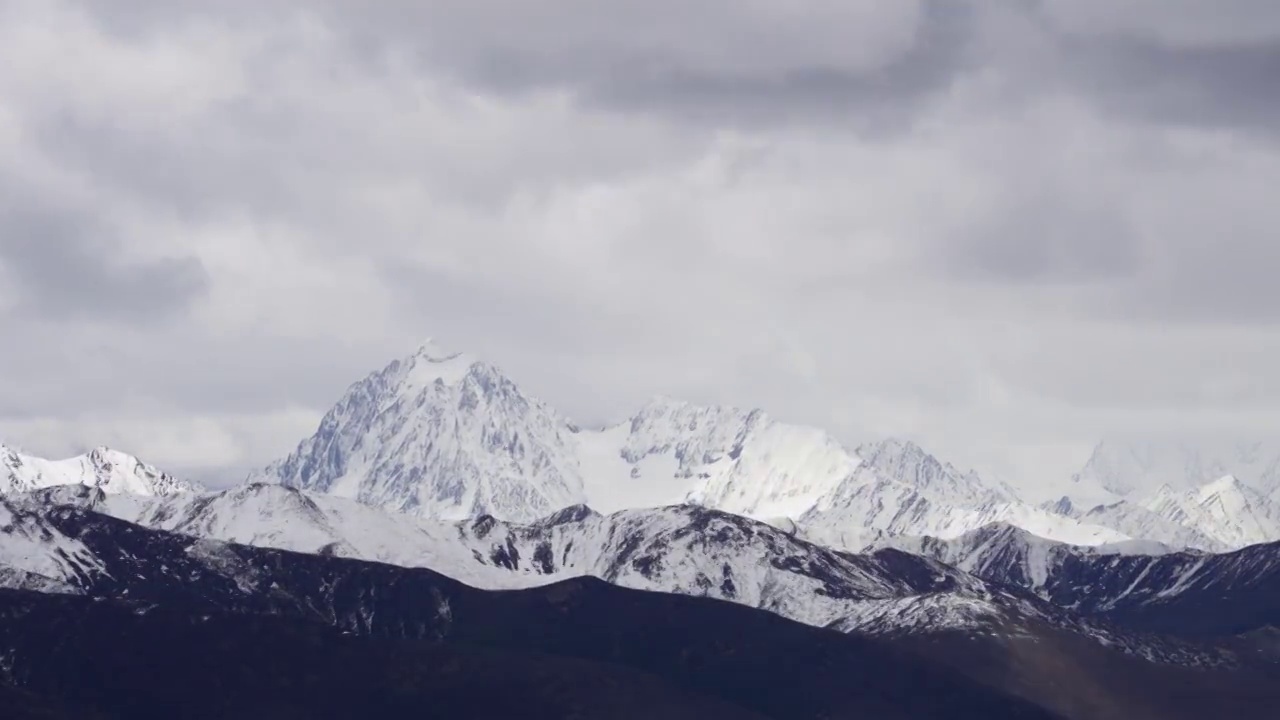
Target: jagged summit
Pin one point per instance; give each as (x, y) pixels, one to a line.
(440, 434)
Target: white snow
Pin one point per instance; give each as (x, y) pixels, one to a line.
(612, 483)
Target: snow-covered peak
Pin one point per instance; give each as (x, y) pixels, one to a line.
(442, 435)
(1226, 510)
(110, 470)
(1224, 514)
(430, 364)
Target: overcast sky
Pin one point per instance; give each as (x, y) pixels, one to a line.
(1001, 228)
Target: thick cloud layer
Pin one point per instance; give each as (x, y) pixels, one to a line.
(1001, 228)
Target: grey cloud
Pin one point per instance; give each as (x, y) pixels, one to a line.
(1048, 239)
(92, 372)
(1219, 281)
(717, 62)
(727, 64)
(879, 100)
(65, 267)
(1230, 86)
(1172, 23)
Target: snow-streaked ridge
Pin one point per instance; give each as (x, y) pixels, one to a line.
(682, 549)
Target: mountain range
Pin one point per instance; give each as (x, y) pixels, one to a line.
(444, 435)
(439, 470)
(447, 436)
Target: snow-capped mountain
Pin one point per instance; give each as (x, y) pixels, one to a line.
(442, 435)
(1226, 510)
(1127, 468)
(110, 470)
